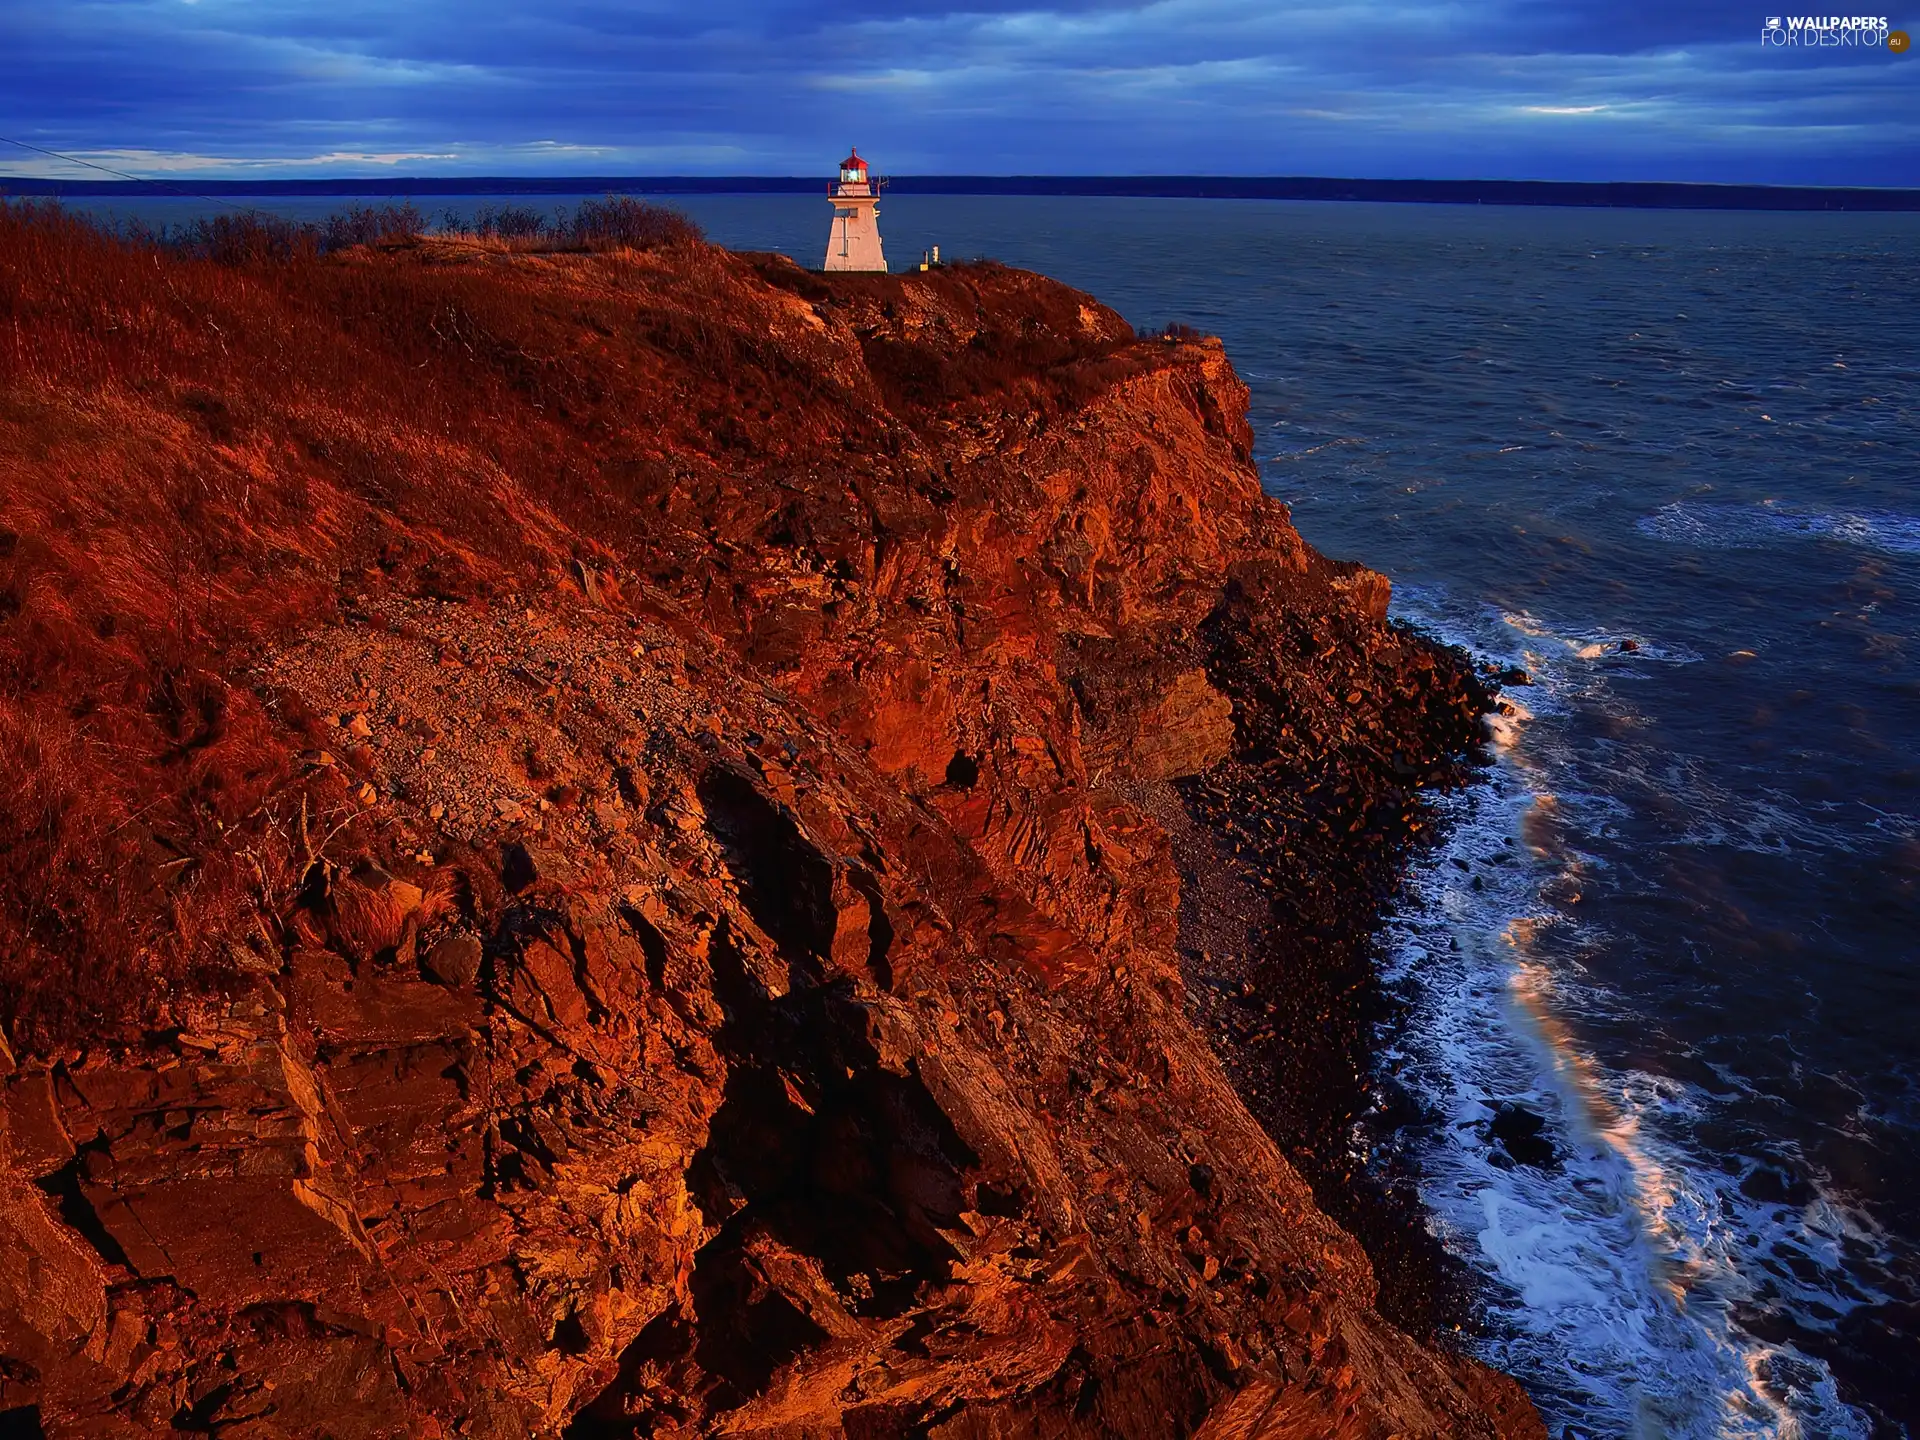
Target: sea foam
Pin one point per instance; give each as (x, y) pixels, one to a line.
(1617, 1275)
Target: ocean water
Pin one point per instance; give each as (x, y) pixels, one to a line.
(1669, 463)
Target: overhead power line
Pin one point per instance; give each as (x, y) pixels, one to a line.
(121, 174)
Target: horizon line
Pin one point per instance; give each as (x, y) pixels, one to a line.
(1622, 193)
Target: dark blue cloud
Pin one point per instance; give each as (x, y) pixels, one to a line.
(1578, 91)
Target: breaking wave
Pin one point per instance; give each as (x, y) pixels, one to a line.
(1623, 1250)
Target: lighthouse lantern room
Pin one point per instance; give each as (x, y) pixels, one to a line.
(854, 242)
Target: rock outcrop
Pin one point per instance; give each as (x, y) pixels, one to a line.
(609, 836)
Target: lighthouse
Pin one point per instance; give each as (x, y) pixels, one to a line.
(854, 241)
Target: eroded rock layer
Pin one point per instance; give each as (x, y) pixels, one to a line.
(581, 857)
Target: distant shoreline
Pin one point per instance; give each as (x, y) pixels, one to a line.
(1620, 195)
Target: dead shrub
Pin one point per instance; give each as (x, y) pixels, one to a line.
(252, 237)
(515, 222)
(371, 225)
(633, 224)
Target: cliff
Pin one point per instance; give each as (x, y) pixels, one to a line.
(649, 843)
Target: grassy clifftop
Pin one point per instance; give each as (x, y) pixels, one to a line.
(622, 838)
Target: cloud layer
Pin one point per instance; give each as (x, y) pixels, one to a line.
(1581, 91)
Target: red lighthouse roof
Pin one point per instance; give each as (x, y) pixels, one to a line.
(853, 162)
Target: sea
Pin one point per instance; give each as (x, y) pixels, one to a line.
(1667, 464)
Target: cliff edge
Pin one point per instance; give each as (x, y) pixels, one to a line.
(616, 843)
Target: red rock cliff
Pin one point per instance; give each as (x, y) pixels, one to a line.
(597, 841)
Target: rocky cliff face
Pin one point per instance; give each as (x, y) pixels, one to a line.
(615, 844)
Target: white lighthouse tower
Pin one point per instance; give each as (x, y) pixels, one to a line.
(854, 241)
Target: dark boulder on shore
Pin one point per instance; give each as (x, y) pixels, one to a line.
(1521, 1135)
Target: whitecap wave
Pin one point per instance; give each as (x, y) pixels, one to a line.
(1578, 667)
(1757, 527)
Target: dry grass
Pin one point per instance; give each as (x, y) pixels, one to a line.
(207, 440)
(253, 237)
(210, 442)
(1040, 356)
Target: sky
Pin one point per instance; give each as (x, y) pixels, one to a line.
(1436, 89)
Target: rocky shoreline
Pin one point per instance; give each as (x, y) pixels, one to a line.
(651, 843)
(1301, 962)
